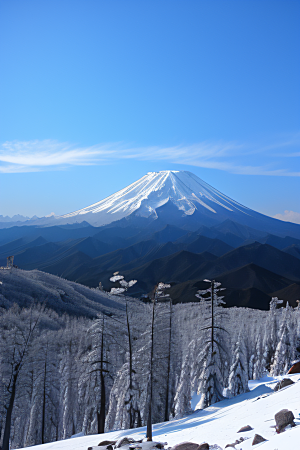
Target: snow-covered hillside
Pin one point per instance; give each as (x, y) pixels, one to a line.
(26, 287)
(219, 424)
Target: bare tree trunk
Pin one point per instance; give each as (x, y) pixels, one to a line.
(131, 411)
(44, 401)
(149, 420)
(169, 366)
(101, 414)
(9, 411)
(212, 317)
(16, 367)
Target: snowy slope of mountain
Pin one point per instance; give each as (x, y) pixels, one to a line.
(219, 424)
(63, 296)
(184, 189)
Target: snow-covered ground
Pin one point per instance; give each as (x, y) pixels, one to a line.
(219, 423)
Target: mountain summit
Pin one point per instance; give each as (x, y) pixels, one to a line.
(178, 198)
(146, 196)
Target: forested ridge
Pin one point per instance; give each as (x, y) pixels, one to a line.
(62, 374)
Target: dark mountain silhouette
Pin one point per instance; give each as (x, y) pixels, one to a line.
(263, 255)
(290, 293)
(19, 245)
(293, 250)
(253, 276)
(205, 244)
(248, 298)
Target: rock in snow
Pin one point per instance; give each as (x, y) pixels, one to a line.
(258, 439)
(244, 429)
(284, 418)
(186, 446)
(283, 383)
(295, 368)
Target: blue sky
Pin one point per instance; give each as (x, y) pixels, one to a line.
(94, 94)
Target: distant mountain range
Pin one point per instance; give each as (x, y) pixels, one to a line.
(171, 227)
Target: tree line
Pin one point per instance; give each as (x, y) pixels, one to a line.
(62, 375)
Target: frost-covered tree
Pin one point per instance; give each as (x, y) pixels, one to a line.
(238, 374)
(259, 369)
(159, 293)
(18, 331)
(285, 350)
(271, 333)
(124, 405)
(92, 381)
(124, 401)
(211, 375)
(44, 391)
(182, 400)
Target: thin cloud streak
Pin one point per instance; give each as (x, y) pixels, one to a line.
(38, 156)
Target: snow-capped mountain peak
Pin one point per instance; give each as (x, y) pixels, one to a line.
(178, 198)
(182, 188)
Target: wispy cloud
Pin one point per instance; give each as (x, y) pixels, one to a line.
(289, 216)
(233, 157)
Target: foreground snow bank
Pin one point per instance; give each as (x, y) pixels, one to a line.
(219, 423)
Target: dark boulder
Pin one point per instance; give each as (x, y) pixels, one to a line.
(295, 368)
(283, 383)
(284, 418)
(204, 446)
(258, 439)
(244, 429)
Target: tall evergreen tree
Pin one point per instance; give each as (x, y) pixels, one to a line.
(238, 376)
(211, 360)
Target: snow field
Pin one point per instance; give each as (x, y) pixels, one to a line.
(219, 423)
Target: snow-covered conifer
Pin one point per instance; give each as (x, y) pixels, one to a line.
(211, 375)
(285, 350)
(238, 376)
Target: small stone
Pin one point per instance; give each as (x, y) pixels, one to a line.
(186, 446)
(244, 429)
(258, 439)
(284, 418)
(230, 445)
(283, 383)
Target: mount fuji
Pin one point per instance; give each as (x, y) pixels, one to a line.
(169, 226)
(179, 198)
